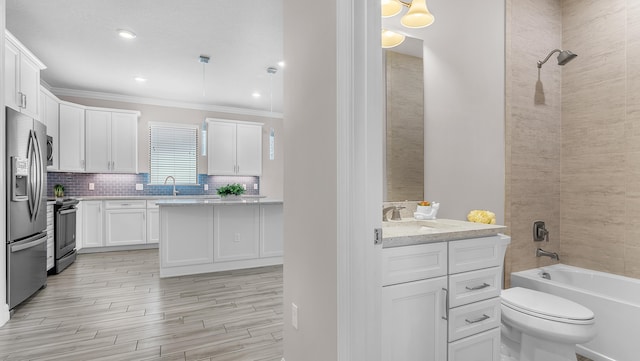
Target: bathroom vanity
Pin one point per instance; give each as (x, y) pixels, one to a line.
(441, 283)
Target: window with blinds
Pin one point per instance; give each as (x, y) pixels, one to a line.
(173, 152)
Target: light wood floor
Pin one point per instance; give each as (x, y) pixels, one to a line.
(113, 306)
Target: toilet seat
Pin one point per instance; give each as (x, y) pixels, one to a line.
(546, 306)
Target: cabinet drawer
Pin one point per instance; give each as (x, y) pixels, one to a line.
(474, 286)
(474, 318)
(411, 263)
(136, 203)
(476, 253)
(484, 346)
(151, 204)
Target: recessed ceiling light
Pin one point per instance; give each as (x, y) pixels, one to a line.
(140, 79)
(256, 95)
(126, 34)
(281, 64)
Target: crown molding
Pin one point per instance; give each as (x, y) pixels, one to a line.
(161, 102)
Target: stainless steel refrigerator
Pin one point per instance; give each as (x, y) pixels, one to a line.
(26, 207)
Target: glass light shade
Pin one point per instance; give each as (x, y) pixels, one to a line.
(391, 39)
(390, 8)
(418, 15)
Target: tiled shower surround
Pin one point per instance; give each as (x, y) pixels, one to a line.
(77, 184)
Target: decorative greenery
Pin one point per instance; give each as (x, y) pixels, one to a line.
(231, 189)
(58, 190)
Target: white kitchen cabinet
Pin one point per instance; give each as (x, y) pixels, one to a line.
(125, 222)
(71, 138)
(111, 141)
(22, 77)
(79, 225)
(234, 148)
(153, 222)
(193, 227)
(413, 327)
(49, 115)
(271, 233)
(92, 218)
(236, 232)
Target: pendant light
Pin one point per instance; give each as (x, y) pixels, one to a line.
(418, 15)
(391, 8)
(391, 39)
(204, 60)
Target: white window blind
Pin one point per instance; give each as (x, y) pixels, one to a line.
(173, 152)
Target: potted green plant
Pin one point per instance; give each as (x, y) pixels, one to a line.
(231, 191)
(58, 191)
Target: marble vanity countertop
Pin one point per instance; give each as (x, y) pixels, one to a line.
(191, 201)
(410, 231)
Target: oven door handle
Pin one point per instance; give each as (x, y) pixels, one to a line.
(67, 211)
(21, 247)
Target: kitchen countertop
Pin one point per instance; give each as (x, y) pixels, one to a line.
(204, 196)
(189, 201)
(410, 231)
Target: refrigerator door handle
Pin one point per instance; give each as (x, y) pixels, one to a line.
(21, 247)
(31, 178)
(39, 174)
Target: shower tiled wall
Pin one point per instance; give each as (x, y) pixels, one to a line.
(77, 184)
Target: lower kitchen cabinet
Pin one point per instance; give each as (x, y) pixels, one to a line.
(192, 227)
(236, 232)
(50, 238)
(153, 225)
(413, 323)
(125, 227)
(271, 233)
(91, 224)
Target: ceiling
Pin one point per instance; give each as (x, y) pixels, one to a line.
(77, 41)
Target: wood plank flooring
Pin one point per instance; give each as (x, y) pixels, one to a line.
(113, 306)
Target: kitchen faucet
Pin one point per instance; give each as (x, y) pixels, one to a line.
(175, 192)
(553, 255)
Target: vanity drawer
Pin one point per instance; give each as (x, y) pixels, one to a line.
(468, 287)
(476, 253)
(134, 203)
(483, 346)
(474, 318)
(412, 263)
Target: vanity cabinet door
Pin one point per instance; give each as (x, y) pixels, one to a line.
(236, 232)
(484, 346)
(413, 328)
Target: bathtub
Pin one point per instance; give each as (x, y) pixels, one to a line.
(615, 300)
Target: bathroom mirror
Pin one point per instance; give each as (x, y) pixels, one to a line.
(404, 141)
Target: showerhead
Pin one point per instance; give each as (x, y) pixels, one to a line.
(564, 57)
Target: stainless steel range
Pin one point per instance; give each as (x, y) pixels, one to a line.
(65, 233)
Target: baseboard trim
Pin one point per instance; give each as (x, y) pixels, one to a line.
(4, 314)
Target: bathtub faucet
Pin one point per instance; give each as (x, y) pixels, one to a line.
(553, 255)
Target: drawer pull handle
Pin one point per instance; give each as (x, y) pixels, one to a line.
(475, 288)
(479, 319)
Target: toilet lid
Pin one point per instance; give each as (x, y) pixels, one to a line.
(545, 305)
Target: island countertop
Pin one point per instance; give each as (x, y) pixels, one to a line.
(189, 201)
(410, 231)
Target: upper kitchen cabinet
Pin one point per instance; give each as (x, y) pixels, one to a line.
(49, 115)
(111, 141)
(22, 77)
(71, 137)
(234, 148)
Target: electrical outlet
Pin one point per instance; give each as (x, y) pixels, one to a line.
(255, 185)
(92, 186)
(294, 315)
(206, 187)
(237, 237)
(139, 186)
(244, 186)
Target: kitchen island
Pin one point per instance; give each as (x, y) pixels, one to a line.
(208, 235)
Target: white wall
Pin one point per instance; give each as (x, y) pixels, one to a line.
(310, 205)
(4, 308)
(464, 107)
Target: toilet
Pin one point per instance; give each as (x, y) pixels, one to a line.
(538, 326)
